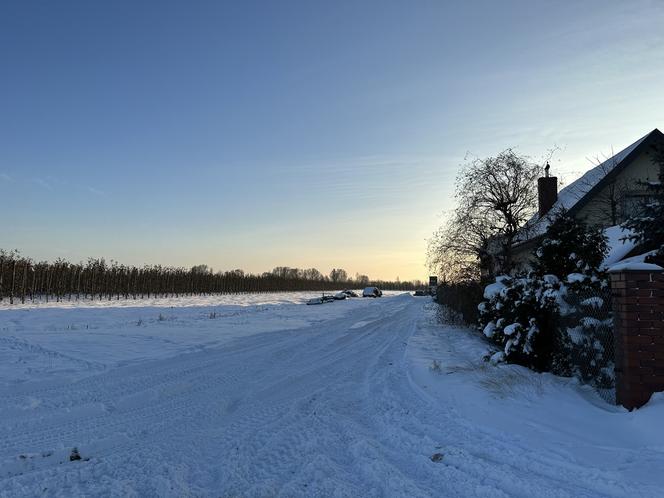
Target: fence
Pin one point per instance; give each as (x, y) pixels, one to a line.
(459, 301)
(584, 341)
(611, 338)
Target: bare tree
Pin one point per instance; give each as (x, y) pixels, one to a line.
(312, 274)
(459, 250)
(338, 275)
(495, 197)
(361, 280)
(501, 193)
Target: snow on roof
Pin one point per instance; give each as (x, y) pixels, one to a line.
(618, 246)
(575, 191)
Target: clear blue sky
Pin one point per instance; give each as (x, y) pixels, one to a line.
(254, 134)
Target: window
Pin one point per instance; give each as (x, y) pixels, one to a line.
(633, 202)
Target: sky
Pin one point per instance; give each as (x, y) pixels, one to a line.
(256, 134)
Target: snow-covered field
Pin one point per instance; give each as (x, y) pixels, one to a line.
(69, 340)
(264, 396)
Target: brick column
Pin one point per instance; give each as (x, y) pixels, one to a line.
(638, 305)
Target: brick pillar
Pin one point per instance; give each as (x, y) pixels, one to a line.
(638, 305)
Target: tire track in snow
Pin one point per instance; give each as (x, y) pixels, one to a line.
(325, 410)
(107, 387)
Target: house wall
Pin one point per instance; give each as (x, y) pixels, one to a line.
(598, 210)
(522, 256)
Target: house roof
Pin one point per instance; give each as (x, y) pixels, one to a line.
(578, 193)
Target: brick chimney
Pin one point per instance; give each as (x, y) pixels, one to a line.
(547, 191)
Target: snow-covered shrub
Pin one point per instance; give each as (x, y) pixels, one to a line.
(516, 316)
(584, 344)
(574, 252)
(523, 314)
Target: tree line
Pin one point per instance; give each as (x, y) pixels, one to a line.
(22, 279)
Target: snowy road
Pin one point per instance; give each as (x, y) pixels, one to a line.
(342, 407)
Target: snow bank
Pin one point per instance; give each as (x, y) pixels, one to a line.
(551, 425)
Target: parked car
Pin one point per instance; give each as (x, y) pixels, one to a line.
(340, 296)
(321, 300)
(420, 292)
(350, 293)
(372, 292)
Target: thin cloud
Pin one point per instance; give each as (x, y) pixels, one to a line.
(5, 177)
(43, 183)
(95, 191)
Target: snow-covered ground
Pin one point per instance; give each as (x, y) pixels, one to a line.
(246, 299)
(356, 398)
(69, 340)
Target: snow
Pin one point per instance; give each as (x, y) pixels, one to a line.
(42, 341)
(576, 334)
(590, 322)
(575, 277)
(635, 266)
(511, 329)
(494, 289)
(362, 397)
(595, 302)
(497, 357)
(639, 258)
(242, 300)
(618, 246)
(371, 292)
(531, 428)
